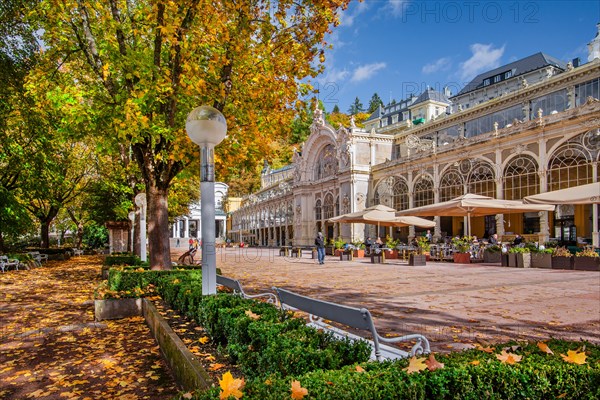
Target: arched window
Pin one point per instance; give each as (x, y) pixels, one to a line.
(569, 166)
(328, 207)
(383, 192)
(400, 195)
(423, 191)
(482, 180)
(451, 185)
(521, 178)
(318, 211)
(327, 163)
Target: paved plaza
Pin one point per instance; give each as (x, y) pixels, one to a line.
(455, 305)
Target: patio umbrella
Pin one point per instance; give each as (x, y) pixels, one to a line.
(381, 215)
(473, 205)
(584, 194)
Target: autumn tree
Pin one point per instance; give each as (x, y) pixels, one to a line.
(140, 67)
(374, 103)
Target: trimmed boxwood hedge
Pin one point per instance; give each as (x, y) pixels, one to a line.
(125, 279)
(537, 376)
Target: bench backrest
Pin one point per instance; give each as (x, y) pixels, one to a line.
(359, 318)
(4, 259)
(233, 284)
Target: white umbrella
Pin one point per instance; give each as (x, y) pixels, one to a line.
(583, 194)
(473, 205)
(381, 215)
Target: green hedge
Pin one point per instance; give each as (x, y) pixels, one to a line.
(122, 259)
(537, 376)
(124, 279)
(271, 343)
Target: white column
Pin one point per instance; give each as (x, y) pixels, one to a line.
(595, 234)
(186, 227)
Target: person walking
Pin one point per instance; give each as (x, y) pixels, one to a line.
(320, 243)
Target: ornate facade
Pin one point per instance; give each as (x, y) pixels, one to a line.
(528, 138)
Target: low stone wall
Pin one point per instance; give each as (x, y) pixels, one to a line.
(186, 368)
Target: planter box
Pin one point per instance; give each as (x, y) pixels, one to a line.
(462, 258)
(117, 308)
(523, 260)
(338, 252)
(491, 256)
(345, 255)
(358, 253)
(504, 259)
(586, 263)
(541, 260)
(417, 259)
(562, 262)
(329, 250)
(512, 260)
(391, 254)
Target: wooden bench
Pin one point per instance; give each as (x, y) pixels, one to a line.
(38, 257)
(236, 286)
(359, 318)
(6, 263)
(77, 252)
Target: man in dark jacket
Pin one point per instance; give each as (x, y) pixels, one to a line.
(320, 243)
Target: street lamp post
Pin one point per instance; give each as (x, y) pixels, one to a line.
(140, 201)
(132, 219)
(207, 127)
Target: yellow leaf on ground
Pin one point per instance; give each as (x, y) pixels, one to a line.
(487, 349)
(359, 369)
(415, 365)
(574, 357)
(475, 362)
(433, 364)
(204, 339)
(508, 358)
(250, 314)
(187, 395)
(298, 392)
(216, 367)
(544, 347)
(230, 386)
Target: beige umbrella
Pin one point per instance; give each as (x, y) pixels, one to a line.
(584, 194)
(473, 205)
(381, 215)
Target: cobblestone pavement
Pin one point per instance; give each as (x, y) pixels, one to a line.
(453, 304)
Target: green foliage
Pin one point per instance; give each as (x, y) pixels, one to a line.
(423, 244)
(537, 376)
(494, 248)
(519, 250)
(338, 243)
(374, 103)
(122, 259)
(121, 279)
(462, 244)
(95, 236)
(356, 107)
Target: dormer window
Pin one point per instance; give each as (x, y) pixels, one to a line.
(486, 82)
(508, 74)
(497, 78)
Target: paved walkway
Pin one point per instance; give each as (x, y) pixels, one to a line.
(454, 304)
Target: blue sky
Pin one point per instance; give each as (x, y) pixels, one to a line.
(397, 47)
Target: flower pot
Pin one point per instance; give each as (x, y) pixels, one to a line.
(417, 259)
(346, 255)
(504, 259)
(391, 254)
(562, 262)
(512, 260)
(462, 258)
(378, 258)
(338, 252)
(541, 260)
(491, 256)
(586, 263)
(358, 253)
(523, 260)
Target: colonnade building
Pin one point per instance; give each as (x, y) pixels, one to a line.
(527, 127)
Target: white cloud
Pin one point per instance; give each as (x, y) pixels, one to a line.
(366, 71)
(347, 17)
(484, 58)
(395, 7)
(441, 64)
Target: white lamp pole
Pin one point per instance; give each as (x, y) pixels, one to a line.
(207, 127)
(140, 201)
(132, 219)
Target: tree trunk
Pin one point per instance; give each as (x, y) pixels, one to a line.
(45, 233)
(158, 228)
(2, 248)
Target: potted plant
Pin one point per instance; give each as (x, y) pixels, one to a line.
(522, 257)
(491, 254)
(359, 249)
(541, 257)
(392, 252)
(462, 247)
(586, 260)
(424, 246)
(338, 244)
(562, 258)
